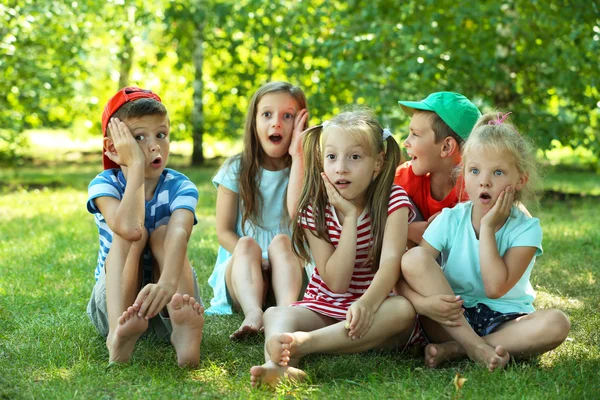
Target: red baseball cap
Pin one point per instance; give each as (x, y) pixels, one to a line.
(125, 95)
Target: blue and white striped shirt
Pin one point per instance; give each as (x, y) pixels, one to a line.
(174, 191)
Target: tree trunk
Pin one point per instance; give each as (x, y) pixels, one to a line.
(126, 55)
(197, 110)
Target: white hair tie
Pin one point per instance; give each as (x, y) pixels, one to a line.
(324, 124)
(386, 134)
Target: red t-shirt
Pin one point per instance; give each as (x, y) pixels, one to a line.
(418, 189)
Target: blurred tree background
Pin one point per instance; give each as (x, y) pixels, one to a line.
(60, 61)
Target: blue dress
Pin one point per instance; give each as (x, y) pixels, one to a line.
(273, 185)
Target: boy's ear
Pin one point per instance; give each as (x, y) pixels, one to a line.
(109, 145)
(449, 147)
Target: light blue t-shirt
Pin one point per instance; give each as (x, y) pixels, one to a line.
(275, 220)
(452, 234)
(174, 191)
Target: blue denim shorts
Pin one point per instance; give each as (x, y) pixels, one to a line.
(484, 320)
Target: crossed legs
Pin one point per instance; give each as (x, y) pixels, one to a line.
(523, 337)
(528, 335)
(294, 332)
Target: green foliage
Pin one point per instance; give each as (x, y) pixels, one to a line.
(40, 64)
(537, 59)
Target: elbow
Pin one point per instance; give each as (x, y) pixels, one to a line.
(131, 234)
(339, 288)
(494, 291)
(221, 236)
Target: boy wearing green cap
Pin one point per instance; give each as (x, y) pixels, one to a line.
(438, 127)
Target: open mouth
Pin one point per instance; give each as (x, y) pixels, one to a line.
(276, 138)
(485, 196)
(342, 182)
(157, 161)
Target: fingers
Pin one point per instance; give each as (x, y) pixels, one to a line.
(118, 129)
(508, 198)
(450, 298)
(354, 321)
(332, 194)
(358, 321)
(151, 300)
(331, 191)
(499, 202)
(348, 319)
(453, 307)
(300, 120)
(363, 325)
(159, 302)
(295, 148)
(113, 156)
(140, 302)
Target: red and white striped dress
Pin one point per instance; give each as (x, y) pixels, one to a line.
(318, 297)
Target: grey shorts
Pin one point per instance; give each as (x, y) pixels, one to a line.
(159, 326)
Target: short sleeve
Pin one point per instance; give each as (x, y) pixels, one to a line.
(440, 230)
(399, 199)
(528, 234)
(307, 219)
(405, 178)
(105, 184)
(185, 197)
(228, 175)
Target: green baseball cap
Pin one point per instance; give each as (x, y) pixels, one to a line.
(453, 108)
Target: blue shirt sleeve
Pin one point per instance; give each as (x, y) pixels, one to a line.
(438, 232)
(185, 197)
(104, 184)
(528, 234)
(228, 175)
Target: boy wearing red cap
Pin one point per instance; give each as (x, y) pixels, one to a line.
(438, 127)
(144, 213)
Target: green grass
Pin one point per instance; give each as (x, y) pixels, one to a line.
(48, 348)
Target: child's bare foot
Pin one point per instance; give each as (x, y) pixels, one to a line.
(187, 318)
(121, 342)
(279, 347)
(252, 324)
(271, 374)
(491, 357)
(438, 353)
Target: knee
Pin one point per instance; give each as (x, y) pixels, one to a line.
(403, 311)
(405, 308)
(246, 244)
(280, 242)
(556, 326)
(414, 261)
(275, 313)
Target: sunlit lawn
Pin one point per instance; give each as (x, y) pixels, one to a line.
(48, 348)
